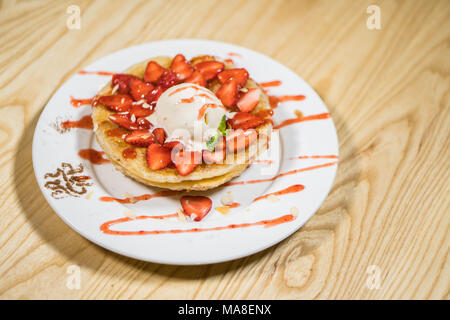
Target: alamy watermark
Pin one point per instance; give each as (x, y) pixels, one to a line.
(73, 21)
(374, 20)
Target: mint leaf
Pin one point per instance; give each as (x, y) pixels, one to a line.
(212, 142)
(223, 126)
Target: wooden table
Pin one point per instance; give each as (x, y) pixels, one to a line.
(381, 233)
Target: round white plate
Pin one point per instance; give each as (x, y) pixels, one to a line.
(304, 153)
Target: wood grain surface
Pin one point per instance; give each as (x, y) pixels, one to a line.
(387, 216)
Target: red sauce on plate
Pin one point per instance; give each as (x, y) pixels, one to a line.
(80, 102)
(84, 123)
(99, 73)
(276, 100)
(106, 227)
(268, 84)
(280, 175)
(139, 198)
(94, 156)
(291, 189)
(287, 122)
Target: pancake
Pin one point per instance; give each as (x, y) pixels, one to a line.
(204, 176)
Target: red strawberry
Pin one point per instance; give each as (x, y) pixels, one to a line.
(143, 123)
(154, 95)
(240, 75)
(158, 157)
(139, 111)
(124, 121)
(186, 161)
(181, 67)
(122, 80)
(209, 69)
(139, 89)
(196, 78)
(240, 139)
(141, 138)
(196, 207)
(167, 80)
(173, 144)
(117, 102)
(244, 120)
(153, 72)
(248, 101)
(215, 156)
(228, 93)
(160, 135)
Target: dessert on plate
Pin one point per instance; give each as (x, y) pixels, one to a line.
(182, 125)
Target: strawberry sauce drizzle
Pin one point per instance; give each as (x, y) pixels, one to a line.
(202, 110)
(189, 100)
(84, 123)
(288, 122)
(80, 102)
(280, 175)
(276, 100)
(94, 156)
(98, 73)
(139, 198)
(116, 132)
(181, 89)
(331, 156)
(233, 205)
(291, 189)
(106, 227)
(268, 84)
(129, 153)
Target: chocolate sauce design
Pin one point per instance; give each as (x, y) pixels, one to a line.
(67, 181)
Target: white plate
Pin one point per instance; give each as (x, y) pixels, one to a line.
(86, 213)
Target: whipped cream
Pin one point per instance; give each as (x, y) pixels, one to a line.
(190, 114)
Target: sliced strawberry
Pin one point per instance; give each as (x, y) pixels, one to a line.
(143, 123)
(139, 111)
(124, 121)
(141, 138)
(122, 80)
(240, 139)
(153, 72)
(160, 135)
(173, 144)
(117, 102)
(167, 80)
(240, 75)
(209, 69)
(244, 120)
(196, 207)
(186, 161)
(139, 89)
(181, 67)
(248, 101)
(221, 144)
(158, 157)
(154, 95)
(228, 93)
(215, 156)
(196, 78)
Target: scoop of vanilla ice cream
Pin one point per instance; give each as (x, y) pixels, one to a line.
(190, 114)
